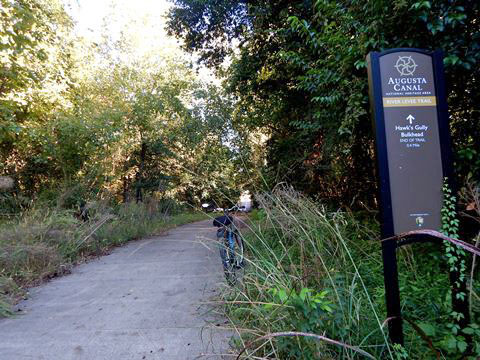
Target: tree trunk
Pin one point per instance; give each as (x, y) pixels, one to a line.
(139, 194)
(125, 189)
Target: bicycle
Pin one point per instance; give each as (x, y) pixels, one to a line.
(231, 246)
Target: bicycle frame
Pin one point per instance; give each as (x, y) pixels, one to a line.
(229, 240)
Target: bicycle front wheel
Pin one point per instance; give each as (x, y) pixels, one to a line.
(239, 251)
(228, 261)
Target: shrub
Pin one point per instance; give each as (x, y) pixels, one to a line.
(320, 272)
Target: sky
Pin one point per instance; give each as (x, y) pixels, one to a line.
(141, 21)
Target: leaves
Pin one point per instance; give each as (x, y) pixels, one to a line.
(427, 328)
(299, 78)
(73, 111)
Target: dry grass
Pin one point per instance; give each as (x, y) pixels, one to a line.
(45, 243)
(299, 247)
(319, 273)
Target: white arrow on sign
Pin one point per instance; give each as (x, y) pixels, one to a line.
(410, 118)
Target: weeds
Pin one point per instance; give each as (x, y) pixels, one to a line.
(301, 258)
(44, 243)
(317, 272)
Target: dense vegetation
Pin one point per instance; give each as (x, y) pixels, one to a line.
(100, 118)
(297, 71)
(101, 143)
(315, 271)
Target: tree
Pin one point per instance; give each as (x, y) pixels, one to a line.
(207, 156)
(106, 116)
(299, 73)
(34, 63)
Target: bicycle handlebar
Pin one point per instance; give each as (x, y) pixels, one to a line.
(233, 208)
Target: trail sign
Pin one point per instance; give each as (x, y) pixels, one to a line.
(408, 102)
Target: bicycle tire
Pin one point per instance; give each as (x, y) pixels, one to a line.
(239, 251)
(228, 261)
(230, 276)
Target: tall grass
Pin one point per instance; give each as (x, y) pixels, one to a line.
(44, 242)
(320, 272)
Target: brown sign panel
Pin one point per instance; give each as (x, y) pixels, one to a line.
(407, 106)
(413, 142)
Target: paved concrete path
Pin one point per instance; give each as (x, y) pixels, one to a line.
(143, 301)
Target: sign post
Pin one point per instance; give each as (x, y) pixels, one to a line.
(408, 102)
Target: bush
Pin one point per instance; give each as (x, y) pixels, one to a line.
(320, 272)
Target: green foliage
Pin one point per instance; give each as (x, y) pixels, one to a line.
(78, 114)
(306, 311)
(300, 78)
(34, 66)
(299, 251)
(257, 215)
(213, 37)
(302, 277)
(400, 352)
(450, 223)
(452, 336)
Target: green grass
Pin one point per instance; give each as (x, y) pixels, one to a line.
(45, 243)
(320, 272)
